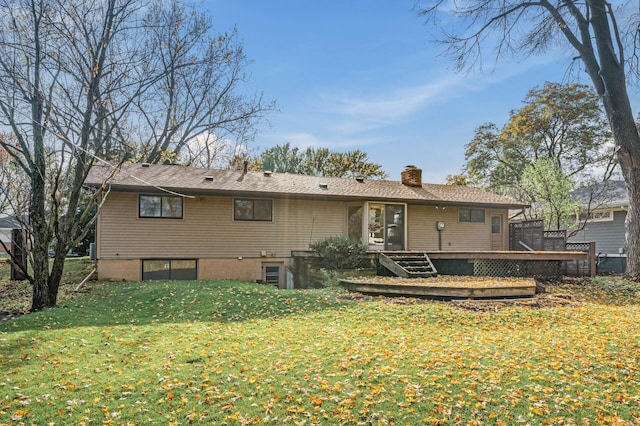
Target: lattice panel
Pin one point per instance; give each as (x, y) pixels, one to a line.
(578, 246)
(517, 268)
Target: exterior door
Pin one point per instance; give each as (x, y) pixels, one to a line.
(386, 226)
(394, 226)
(497, 233)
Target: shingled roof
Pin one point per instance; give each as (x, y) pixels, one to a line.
(611, 193)
(194, 181)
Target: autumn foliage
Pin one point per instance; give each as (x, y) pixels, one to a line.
(240, 354)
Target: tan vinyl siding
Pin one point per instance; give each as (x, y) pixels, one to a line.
(423, 235)
(207, 229)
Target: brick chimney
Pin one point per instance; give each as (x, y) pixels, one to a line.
(412, 176)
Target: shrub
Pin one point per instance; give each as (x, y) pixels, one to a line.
(340, 253)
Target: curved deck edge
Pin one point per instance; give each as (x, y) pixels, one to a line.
(451, 291)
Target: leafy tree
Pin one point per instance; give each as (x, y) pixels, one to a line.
(460, 180)
(563, 123)
(282, 159)
(78, 79)
(547, 188)
(592, 32)
(318, 162)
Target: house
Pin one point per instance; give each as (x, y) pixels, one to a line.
(176, 222)
(7, 225)
(604, 210)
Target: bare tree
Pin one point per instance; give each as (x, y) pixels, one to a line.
(60, 80)
(590, 28)
(200, 109)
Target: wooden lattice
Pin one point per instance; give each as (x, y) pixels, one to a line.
(517, 268)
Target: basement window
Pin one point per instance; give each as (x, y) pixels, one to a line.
(169, 269)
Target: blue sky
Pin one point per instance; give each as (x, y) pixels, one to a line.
(366, 75)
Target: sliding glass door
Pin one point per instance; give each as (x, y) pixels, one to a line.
(386, 226)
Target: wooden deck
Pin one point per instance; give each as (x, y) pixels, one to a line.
(449, 287)
(509, 255)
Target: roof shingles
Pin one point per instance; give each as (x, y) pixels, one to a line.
(190, 180)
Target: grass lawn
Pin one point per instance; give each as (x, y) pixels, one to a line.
(236, 353)
(15, 297)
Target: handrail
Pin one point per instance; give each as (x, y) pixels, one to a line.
(525, 246)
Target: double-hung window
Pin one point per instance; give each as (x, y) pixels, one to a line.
(160, 206)
(251, 209)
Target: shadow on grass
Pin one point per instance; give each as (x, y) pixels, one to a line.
(149, 302)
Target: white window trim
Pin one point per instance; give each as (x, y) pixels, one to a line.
(365, 222)
(598, 217)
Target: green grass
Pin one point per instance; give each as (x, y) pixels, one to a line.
(236, 353)
(15, 296)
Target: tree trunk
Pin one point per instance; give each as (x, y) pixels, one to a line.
(627, 140)
(610, 82)
(56, 276)
(40, 249)
(632, 238)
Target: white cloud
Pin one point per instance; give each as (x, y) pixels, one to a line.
(395, 104)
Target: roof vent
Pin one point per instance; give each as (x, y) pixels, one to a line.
(360, 179)
(324, 186)
(268, 173)
(208, 178)
(145, 164)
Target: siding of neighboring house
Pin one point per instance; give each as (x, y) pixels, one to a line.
(608, 235)
(5, 237)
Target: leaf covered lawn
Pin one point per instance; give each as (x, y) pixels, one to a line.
(234, 353)
(450, 281)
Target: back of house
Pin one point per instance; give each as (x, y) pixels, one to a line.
(177, 222)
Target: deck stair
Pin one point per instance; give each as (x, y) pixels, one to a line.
(408, 264)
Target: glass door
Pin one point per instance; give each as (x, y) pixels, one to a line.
(376, 227)
(394, 225)
(386, 226)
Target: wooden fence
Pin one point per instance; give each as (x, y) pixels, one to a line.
(530, 235)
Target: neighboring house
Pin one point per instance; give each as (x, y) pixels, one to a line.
(604, 207)
(7, 225)
(176, 222)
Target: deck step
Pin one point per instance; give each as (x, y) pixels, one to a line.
(408, 264)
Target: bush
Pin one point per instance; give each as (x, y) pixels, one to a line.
(340, 253)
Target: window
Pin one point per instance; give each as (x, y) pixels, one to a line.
(596, 216)
(252, 209)
(160, 206)
(496, 224)
(471, 215)
(355, 223)
(169, 269)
